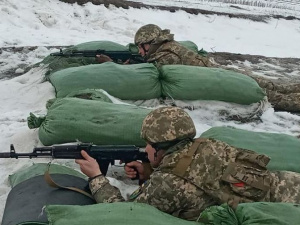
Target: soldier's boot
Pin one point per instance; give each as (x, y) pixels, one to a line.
(287, 88)
(286, 102)
(285, 187)
(281, 87)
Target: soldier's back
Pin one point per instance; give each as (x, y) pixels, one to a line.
(173, 53)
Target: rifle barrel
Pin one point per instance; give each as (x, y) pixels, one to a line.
(115, 55)
(5, 155)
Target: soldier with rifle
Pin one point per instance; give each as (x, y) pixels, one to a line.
(187, 176)
(158, 46)
(192, 174)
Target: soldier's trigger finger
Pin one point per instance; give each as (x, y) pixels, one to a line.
(86, 156)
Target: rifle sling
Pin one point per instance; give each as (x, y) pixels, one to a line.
(185, 161)
(51, 183)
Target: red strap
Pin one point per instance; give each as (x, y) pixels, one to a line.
(241, 184)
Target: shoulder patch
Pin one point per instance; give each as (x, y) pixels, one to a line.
(138, 191)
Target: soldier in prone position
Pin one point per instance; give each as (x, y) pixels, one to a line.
(158, 46)
(192, 174)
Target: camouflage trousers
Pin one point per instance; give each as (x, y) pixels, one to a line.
(282, 96)
(285, 187)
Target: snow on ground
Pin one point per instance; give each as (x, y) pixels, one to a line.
(43, 23)
(55, 23)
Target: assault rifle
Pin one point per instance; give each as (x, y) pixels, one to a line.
(116, 56)
(104, 154)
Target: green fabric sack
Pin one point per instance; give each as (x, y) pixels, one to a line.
(281, 148)
(33, 223)
(118, 213)
(39, 169)
(257, 213)
(190, 45)
(219, 215)
(89, 94)
(56, 63)
(95, 45)
(267, 213)
(127, 82)
(183, 82)
(97, 122)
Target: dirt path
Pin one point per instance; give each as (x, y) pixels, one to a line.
(126, 4)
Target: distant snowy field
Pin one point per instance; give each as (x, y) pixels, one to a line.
(258, 7)
(50, 22)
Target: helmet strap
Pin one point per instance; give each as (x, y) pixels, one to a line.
(164, 145)
(155, 155)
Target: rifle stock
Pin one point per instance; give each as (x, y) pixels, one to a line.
(104, 154)
(116, 56)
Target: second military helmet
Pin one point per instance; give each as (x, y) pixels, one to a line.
(146, 34)
(167, 124)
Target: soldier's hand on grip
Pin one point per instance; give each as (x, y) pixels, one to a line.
(103, 58)
(134, 169)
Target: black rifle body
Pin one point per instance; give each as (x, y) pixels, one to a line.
(104, 154)
(116, 56)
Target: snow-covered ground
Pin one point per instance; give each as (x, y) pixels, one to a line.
(50, 22)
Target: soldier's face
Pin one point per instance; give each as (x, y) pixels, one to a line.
(154, 161)
(143, 49)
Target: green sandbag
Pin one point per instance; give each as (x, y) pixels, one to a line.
(219, 215)
(190, 45)
(56, 63)
(201, 83)
(97, 122)
(90, 94)
(257, 213)
(103, 45)
(33, 223)
(266, 213)
(128, 82)
(118, 213)
(39, 169)
(281, 148)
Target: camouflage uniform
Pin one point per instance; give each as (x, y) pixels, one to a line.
(195, 174)
(166, 51)
(282, 96)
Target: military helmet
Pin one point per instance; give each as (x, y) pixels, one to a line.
(167, 124)
(146, 34)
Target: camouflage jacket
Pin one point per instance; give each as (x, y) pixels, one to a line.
(166, 51)
(192, 177)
